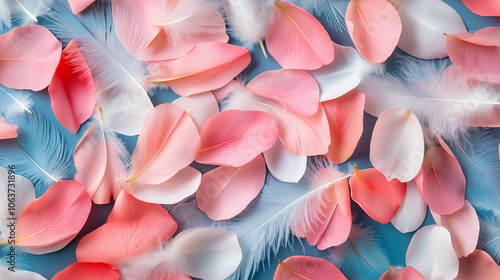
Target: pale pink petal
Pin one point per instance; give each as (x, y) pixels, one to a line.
(463, 226)
(478, 54)
(79, 5)
(206, 67)
(374, 27)
(133, 227)
(160, 30)
(168, 142)
(305, 267)
(226, 191)
(478, 265)
(236, 137)
(29, 56)
(87, 270)
(410, 273)
(7, 131)
(71, 90)
(201, 107)
(379, 198)
(99, 165)
(488, 8)
(296, 39)
(297, 90)
(441, 180)
(345, 117)
(59, 213)
(183, 184)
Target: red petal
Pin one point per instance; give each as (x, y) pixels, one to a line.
(85, 271)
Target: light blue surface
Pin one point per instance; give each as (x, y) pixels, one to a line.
(394, 241)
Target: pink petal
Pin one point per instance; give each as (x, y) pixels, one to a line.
(207, 66)
(98, 162)
(345, 117)
(488, 8)
(221, 93)
(7, 131)
(297, 90)
(326, 219)
(374, 27)
(161, 30)
(441, 180)
(86, 270)
(29, 56)
(201, 107)
(133, 227)
(226, 191)
(296, 39)
(71, 90)
(410, 273)
(478, 265)
(304, 267)
(60, 213)
(463, 226)
(183, 184)
(478, 54)
(78, 6)
(236, 137)
(379, 198)
(393, 273)
(168, 142)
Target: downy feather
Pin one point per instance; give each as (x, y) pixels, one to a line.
(118, 77)
(40, 153)
(333, 10)
(248, 20)
(448, 106)
(264, 227)
(22, 12)
(478, 157)
(362, 256)
(14, 102)
(489, 236)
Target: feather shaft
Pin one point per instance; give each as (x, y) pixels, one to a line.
(17, 101)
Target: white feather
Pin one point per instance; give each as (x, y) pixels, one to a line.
(5, 18)
(248, 20)
(22, 12)
(14, 102)
(263, 228)
(448, 105)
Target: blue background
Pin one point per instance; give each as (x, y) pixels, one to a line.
(391, 239)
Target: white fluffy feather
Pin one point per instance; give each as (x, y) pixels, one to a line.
(14, 102)
(447, 105)
(248, 19)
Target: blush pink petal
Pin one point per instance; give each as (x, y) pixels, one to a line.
(478, 265)
(7, 131)
(78, 6)
(488, 8)
(305, 267)
(296, 39)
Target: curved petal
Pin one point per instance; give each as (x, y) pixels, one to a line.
(489, 8)
(478, 265)
(7, 131)
(285, 165)
(412, 212)
(201, 107)
(86, 270)
(304, 267)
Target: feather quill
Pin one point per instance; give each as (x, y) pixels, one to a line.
(264, 227)
(118, 77)
(14, 102)
(40, 153)
(333, 10)
(479, 161)
(22, 12)
(489, 236)
(448, 105)
(362, 256)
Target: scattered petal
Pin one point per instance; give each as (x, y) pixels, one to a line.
(304, 267)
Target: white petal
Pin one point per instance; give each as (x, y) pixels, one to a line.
(19, 275)
(411, 213)
(285, 165)
(201, 107)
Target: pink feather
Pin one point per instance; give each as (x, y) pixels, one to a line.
(374, 27)
(236, 137)
(478, 54)
(133, 227)
(379, 198)
(305, 267)
(29, 56)
(206, 67)
(7, 131)
(78, 6)
(226, 191)
(296, 39)
(463, 226)
(58, 214)
(87, 270)
(345, 118)
(489, 8)
(71, 90)
(297, 90)
(441, 180)
(168, 142)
